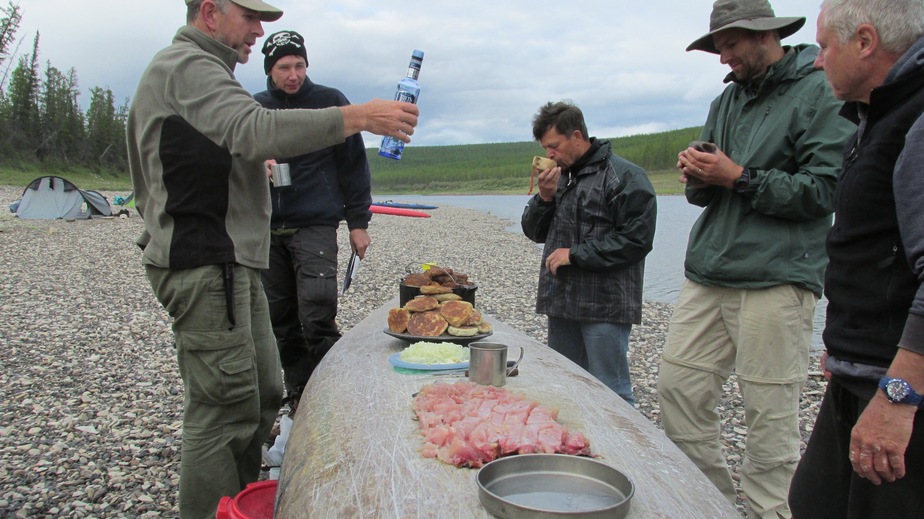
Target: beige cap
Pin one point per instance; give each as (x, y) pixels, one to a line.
(267, 12)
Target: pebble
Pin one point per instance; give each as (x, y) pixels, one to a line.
(90, 396)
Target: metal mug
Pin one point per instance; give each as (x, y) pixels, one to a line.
(281, 177)
(487, 363)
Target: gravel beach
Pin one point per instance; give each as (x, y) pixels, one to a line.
(90, 413)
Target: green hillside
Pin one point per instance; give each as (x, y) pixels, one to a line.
(505, 167)
(469, 169)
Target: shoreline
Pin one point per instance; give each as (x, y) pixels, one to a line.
(92, 398)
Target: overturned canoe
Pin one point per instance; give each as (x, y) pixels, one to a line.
(354, 449)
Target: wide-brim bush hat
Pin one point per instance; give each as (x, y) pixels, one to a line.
(752, 15)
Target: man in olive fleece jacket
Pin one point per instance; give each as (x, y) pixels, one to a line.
(196, 143)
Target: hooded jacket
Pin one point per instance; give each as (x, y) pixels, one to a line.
(328, 185)
(787, 134)
(874, 281)
(196, 145)
(604, 212)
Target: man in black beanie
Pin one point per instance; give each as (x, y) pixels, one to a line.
(327, 186)
(281, 44)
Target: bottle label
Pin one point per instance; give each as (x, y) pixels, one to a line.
(406, 97)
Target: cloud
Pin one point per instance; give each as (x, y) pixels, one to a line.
(488, 65)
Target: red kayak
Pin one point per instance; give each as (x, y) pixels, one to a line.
(397, 211)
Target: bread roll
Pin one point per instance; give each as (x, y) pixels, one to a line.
(542, 163)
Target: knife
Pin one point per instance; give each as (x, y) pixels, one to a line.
(351, 271)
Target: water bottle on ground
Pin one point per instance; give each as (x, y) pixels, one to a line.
(408, 91)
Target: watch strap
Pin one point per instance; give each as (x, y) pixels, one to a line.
(745, 184)
(910, 396)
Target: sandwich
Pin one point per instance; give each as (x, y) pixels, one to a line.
(542, 163)
(539, 164)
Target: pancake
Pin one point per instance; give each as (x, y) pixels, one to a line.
(426, 324)
(421, 304)
(462, 331)
(474, 320)
(434, 289)
(397, 320)
(456, 312)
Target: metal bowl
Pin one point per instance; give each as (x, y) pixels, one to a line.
(553, 485)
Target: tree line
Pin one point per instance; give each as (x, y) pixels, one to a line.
(41, 121)
(507, 165)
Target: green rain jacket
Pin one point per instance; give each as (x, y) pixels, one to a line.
(788, 135)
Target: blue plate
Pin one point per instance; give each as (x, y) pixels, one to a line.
(395, 360)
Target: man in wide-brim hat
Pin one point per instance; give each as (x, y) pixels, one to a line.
(755, 259)
(753, 15)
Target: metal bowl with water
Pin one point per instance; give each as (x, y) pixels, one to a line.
(553, 485)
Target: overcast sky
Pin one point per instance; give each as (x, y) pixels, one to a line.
(488, 65)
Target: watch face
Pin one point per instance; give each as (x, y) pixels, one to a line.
(897, 390)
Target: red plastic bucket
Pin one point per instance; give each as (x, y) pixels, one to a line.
(254, 502)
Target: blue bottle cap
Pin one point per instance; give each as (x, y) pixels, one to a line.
(417, 54)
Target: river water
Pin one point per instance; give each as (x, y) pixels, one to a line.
(663, 266)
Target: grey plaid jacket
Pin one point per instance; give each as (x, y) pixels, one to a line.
(605, 213)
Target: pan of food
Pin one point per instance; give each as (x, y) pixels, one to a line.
(437, 281)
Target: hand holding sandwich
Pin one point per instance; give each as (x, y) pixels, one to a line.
(549, 173)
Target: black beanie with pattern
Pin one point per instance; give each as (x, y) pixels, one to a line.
(282, 43)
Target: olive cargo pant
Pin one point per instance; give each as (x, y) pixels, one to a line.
(764, 336)
(231, 376)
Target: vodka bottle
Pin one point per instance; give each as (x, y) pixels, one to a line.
(408, 90)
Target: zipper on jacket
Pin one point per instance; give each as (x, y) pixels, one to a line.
(756, 130)
(851, 158)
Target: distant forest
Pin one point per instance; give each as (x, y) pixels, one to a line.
(40, 118)
(478, 168)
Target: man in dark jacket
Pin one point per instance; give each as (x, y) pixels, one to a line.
(865, 457)
(596, 214)
(755, 257)
(327, 186)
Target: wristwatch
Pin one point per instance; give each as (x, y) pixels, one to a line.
(899, 391)
(744, 181)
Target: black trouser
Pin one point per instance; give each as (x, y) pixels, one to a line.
(825, 484)
(301, 288)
